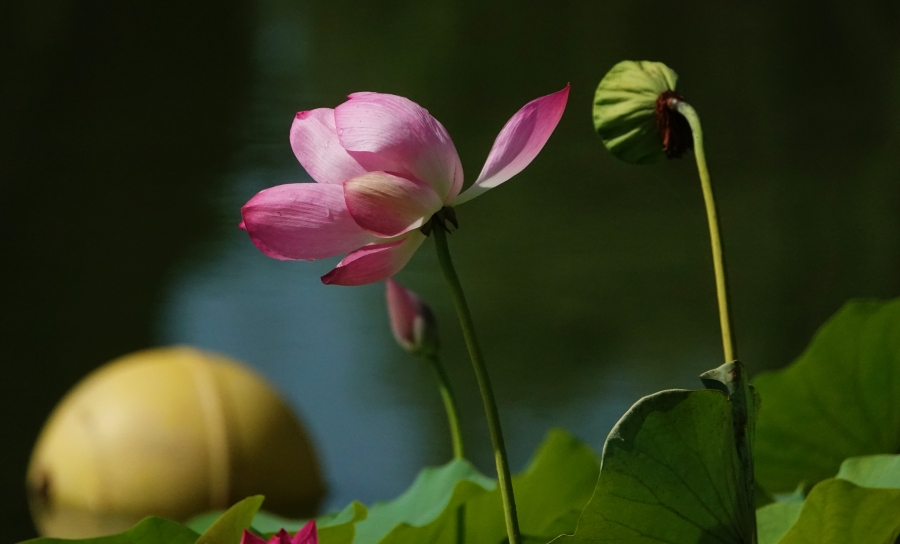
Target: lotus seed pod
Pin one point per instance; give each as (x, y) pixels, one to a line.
(170, 432)
(633, 115)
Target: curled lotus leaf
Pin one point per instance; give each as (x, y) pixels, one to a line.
(839, 399)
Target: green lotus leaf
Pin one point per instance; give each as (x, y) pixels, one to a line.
(671, 473)
(839, 512)
(429, 506)
(625, 109)
(339, 527)
(881, 471)
(204, 521)
(774, 520)
(428, 509)
(839, 399)
(334, 528)
(550, 493)
(873, 471)
(230, 525)
(152, 530)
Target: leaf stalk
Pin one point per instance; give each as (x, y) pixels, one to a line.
(729, 344)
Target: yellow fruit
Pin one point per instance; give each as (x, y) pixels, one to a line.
(170, 432)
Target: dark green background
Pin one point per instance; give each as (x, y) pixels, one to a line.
(122, 124)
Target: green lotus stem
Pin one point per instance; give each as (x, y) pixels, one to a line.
(484, 382)
(449, 404)
(728, 341)
(450, 407)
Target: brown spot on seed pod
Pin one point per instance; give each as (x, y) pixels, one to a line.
(39, 490)
(673, 127)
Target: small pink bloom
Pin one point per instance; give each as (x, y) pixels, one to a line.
(306, 535)
(383, 166)
(412, 321)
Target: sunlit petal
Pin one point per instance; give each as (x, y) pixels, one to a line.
(388, 205)
(398, 130)
(375, 262)
(521, 139)
(302, 221)
(315, 142)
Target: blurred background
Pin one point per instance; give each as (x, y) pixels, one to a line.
(131, 134)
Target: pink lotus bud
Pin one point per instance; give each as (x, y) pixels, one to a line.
(412, 321)
(306, 535)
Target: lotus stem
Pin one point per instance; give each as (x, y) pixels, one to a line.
(449, 404)
(729, 343)
(484, 383)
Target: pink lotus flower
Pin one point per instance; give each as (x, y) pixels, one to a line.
(383, 166)
(306, 535)
(412, 321)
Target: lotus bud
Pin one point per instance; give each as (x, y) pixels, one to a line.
(171, 432)
(634, 113)
(412, 321)
(306, 535)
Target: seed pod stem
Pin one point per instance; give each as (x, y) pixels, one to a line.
(729, 344)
